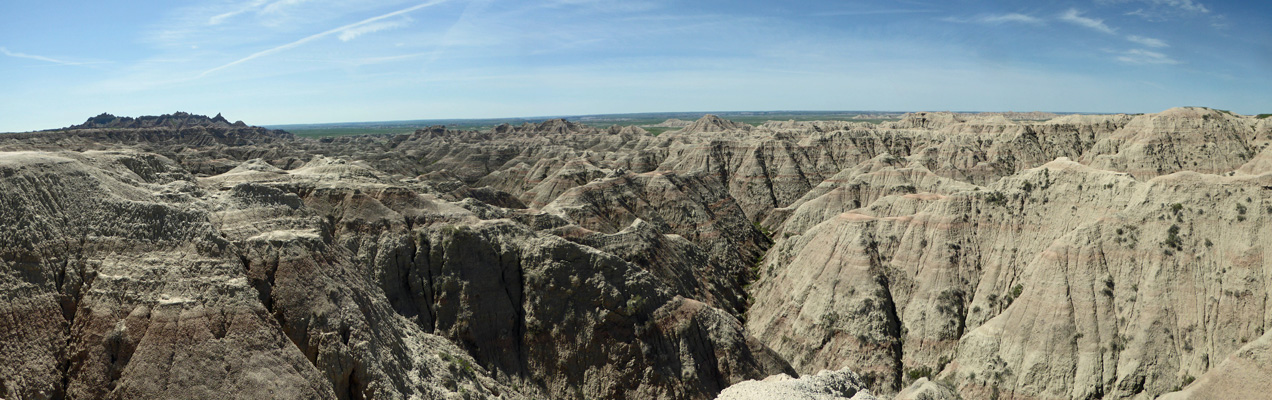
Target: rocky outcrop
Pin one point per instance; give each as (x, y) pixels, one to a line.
(175, 121)
(924, 389)
(117, 285)
(671, 123)
(363, 287)
(1179, 139)
(1237, 377)
(710, 123)
(1107, 256)
(693, 207)
(826, 385)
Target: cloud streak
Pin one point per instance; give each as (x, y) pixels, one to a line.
(1141, 56)
(310, 38)
(1186, 5)
(1147, 41)
(1182, 5)
(220, 18)
(845, 13)
(997, 19)
(353, 33)
(1075, 17)
(6, 52)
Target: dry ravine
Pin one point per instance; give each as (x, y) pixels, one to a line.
(940, 256)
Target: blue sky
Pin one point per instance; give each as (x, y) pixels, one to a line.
(309, 61)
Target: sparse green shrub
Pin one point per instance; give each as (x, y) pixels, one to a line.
(1013, 295)
(634, 304)
(764, 231)
(1176, 207)
(1119, 343)
(1172, 238)
(457, 363)
(829, 319)
(920, 372)
(996, 198)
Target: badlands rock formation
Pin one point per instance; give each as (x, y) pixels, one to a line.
(826, 385)
(937, 256)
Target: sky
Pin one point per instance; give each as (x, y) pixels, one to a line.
(315, 61)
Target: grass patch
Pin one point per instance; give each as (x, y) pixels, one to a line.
(764, 231)
(920, 372)
(458, 362)
(332, 132)
(599, 121)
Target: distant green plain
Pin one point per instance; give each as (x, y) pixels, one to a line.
(599, 121)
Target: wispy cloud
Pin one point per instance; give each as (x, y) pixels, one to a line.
(1075, 17)
(1147, 15)
(242, 9)
(1163, 10)
(1186, 5)
(1147, 41)
(314, 37)
(608, 6)
(1219, 22)
(6, 52)
(1141, 56)
(1181, 5)
(873, 12)
(381, 60)
(353, 33)
(995, 19)
(279, 5)
(277, 8)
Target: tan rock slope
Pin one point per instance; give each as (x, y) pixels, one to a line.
(827, 385)
(937, 256)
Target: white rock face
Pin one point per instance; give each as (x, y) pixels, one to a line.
(924, 389)
(826, 385)
(1081, 257)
